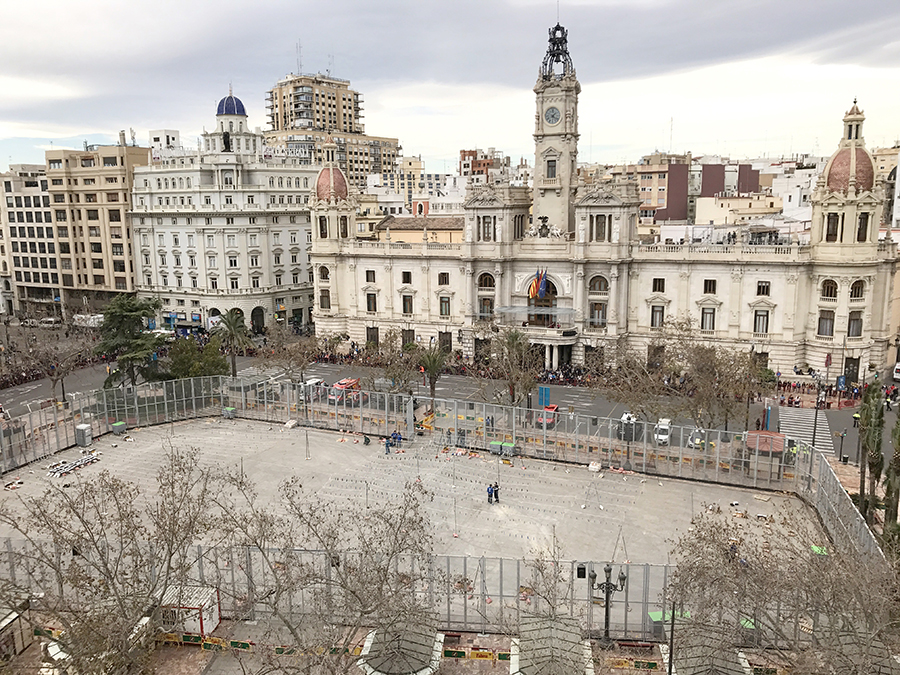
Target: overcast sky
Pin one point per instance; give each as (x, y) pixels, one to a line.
(739, 77)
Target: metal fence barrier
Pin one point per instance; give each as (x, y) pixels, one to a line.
(731, 458)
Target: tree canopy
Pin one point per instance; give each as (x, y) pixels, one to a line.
(123, 337)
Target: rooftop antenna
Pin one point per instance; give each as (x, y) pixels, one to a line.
(299, 58)
(671, 127)
(557, 11)
(330, 64)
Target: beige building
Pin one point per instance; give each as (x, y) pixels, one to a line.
(736, 209)
(304, 108)
(27, 201)
(409, 179)
(885, 160)
(84, 257)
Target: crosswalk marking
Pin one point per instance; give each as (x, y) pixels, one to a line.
(798, 423)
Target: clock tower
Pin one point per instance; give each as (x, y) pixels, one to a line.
(556, 134)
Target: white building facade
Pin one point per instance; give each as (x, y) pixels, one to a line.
(224, 228)
(796, 304)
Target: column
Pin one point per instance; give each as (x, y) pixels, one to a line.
(546, 357)
(555, 351)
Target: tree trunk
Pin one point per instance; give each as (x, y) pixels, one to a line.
(234, 362)
(870, 509)
(863, 463)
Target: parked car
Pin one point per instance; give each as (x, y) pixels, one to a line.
(315, 389)
(549, 416)
(698, 439)
(51, 322)
(630, 428)
(662, 431)
(897, 372)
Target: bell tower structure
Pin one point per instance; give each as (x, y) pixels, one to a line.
(556, 134)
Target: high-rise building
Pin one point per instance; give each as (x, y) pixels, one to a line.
(220, 229)
(84, 257)
(304, 109)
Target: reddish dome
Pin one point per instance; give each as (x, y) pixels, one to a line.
(838, 175)
(331, 184)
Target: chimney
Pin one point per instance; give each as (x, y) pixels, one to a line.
(122, 138)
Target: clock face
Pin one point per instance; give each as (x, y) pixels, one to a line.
(551, 115)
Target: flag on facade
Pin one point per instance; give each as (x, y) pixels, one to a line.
(542, 287)
(535, 285)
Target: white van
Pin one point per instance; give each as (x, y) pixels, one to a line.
(897, 372)
(315, 389)
(662, 431)
(51, 322)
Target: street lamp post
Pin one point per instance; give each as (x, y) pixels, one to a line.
(607, 588)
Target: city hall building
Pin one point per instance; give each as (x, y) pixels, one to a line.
(795, 299)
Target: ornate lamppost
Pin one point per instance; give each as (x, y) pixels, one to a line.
(607, 588)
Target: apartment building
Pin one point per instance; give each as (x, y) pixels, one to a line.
(408, 179)
(223, 229)
(304, 109)
(82, 257)
(483, 166)
(27, 201)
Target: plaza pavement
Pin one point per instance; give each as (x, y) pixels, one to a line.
(605, 516)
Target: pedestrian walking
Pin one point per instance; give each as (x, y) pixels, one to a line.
(497, 493)
(758, 424)
(856, 419)
(490, 494)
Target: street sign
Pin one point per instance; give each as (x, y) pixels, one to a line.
(842, 383)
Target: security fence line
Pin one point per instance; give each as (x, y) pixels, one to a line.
(770, 462)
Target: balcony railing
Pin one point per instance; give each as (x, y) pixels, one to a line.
(826, 338)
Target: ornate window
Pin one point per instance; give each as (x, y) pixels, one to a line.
(486, 282)
(598, 284)
(829, 289)
(855, 325)
(858, 290)
(323, 273)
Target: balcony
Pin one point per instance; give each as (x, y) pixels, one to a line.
(549, 183)
(825, 300)
(761, 336)
(826, 338)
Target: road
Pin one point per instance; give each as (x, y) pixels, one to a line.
(17, 401)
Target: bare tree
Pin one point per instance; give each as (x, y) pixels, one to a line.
(335, 571)
(781, 586)
(288, 352)
(56, 356)
(399, 363)
(102, 554)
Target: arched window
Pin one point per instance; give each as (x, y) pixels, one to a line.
(486, 282)
(188, 181)
(324, 274)
(306, 182)
(421, 209)
(344, 232)
(323, 227)
(289, 182)
(598, 284)
(858, 290)
(535, 316)
(280, 181)
(829, 289)
(167, 183)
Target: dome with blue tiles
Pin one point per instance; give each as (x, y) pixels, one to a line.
(231, 105)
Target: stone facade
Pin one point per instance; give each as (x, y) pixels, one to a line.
(793, 303)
